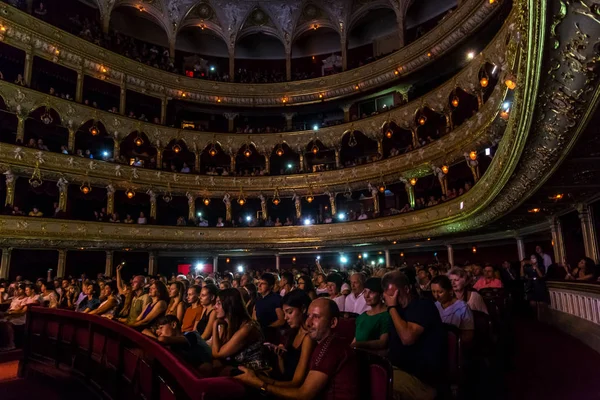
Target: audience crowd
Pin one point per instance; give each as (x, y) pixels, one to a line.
(292, 334)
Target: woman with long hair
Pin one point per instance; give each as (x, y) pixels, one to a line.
(459, 278)
(111, 302)
(176, 305)
(453, 311)
(159, 296)
(305, 283)
(584, 271)
(208, 298)
(252, 291)
(48, 296)
(91, 301)
(533, 272)
(236, 336)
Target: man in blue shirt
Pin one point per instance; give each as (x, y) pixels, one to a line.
(268, 310)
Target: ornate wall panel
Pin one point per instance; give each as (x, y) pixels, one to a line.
(47, 41)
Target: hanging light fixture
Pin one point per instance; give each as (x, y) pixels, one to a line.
(455, 100)
(36, 177)
(422, 119)
(510, 81)
(241, 198)
(94, 129)
(213, 150)
(413, 181)
(352, 140)
(473, 155)
(389, 133)
(276, 199)
(177, 148)
(206, 201)
(130, 193)
(310, 197)
(445, 169)
(46, 118)
(168, 196)
(247, 151)
(85, 187)
(485, 80)
(474, 249)
(138, 140)
(279, 150)
(314, 149)
(381, 187)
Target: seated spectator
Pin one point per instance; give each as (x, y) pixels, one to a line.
(417, 340)
(236, 340)
(188, 345)
(157, 306)
(176, 305)
(424, 282)
(306, 284)
(16, 314)
(114, 218)
(208, 298)
(507, 274)
(193, 313)
(355, 301)
(294, 355)
(128, 219)
(48, 296)
(362, 216)
(111, 302)
(489, 279)
(181, 221)
(585, 270)
(185, 169)
(268, 311)
(202, 222)
(287, 283)
(334, 287)
(91, 300)
(20, 80)
(139, 299)
(36, 212)
(453, 311)
(458, 277)
(142, 219)
(372, 326)
(321, 285)
(41, 145)
(333, 369)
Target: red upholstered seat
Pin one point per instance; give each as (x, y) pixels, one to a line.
(376, 376)
(346, 328)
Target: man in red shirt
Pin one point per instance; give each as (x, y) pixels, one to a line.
(489, 280)
(333, 369)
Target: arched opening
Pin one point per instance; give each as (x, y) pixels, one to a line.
(43, 130)
(259, 58)
(215, 161)
(430, 126)
(210, 212)
(316, 53)
(249, 162)
(12, 61)
(136, 149)
(54, 79)
(396, 140)
(357, 149)
(93, 137)
(8, 124)
(43, 198)
(86, 207)
(463, 106)
(202, 53)
(488, 78)
(372, 35)
(423, 16)
(101, 94)
(133, 207)
(318, 157)
(170, 208)
(284, 160)
(142, 107)
(177, 157)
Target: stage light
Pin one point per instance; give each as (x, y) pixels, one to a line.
(365, 255)
(248, 218)
(307, 221)
(341, 216)
(240, 268)
(199, 267)
(343, 259)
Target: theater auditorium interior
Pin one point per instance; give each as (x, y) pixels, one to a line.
(299, 199)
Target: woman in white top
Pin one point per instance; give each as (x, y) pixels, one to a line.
(48, 297)
(458, 278)
(142, 219)
(453, 311)
(112, 300)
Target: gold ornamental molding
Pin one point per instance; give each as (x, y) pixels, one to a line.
(41, 39)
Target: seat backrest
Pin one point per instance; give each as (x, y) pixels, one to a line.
(376, 376)
(346, 329)
(454, 357)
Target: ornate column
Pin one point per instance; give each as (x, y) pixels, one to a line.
(5, 264)
(474, 165)
(152, 264)
(380, 147)
(116, 148)
(387, 257)
(415, 137)
(557, 240)
(263, 207)
(332, 202)
(401, 29)
(346, 108)
(105, 21)
(227, 201)
(110, 199)
(62, 262)
(375, 195)
(63, 186)
(298, 205)
(71, 142)
(268, 163)
(172, 47)
(449, 123)
(20, 128)
(442, 178)
(152, 196)
(410, 191)
(301, 153)
(28, 69)
(338, 163)
(191, 206)
(450, 255)
(521, 249)
(590, 240)
(215, 264)
(79, 87)
(108, 267)
(288, 64)
(159, 156)
(289, 123)
(197, 161)
(163, 110)
(277, 265)
(232, 63)
(11, 180)
(230, 120)
(232, 156)
(123, 96)
(344, 44)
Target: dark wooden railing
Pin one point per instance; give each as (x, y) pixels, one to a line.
(114, 360)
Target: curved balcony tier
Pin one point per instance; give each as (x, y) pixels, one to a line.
(41, 39)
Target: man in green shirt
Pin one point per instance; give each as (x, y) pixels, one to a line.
(372, 326)
(139, 301)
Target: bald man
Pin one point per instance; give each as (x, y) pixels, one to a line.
(355, 301)
(333, 370)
